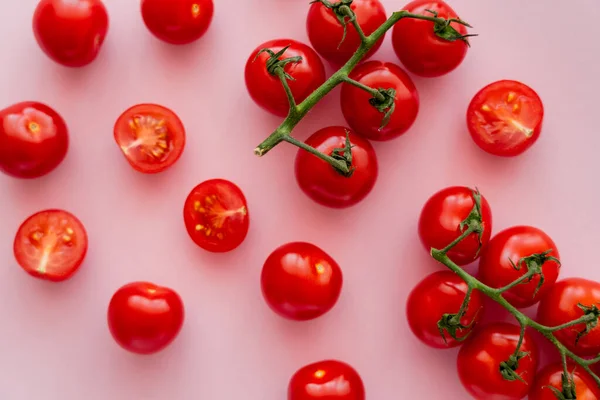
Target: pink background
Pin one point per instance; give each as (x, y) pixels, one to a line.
(54, 342)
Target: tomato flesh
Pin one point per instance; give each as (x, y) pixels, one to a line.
(51, 245)
(551, 376)
(326, 380)
(177, 21)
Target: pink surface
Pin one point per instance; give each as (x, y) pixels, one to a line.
(54, 342)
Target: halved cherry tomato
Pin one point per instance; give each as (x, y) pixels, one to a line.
(300, 281)
(145, 318)
(322, 183)
(505, 118)
(33, 140)
(51, 245)
(326, 380)
(551, 377)
(177, 21)
(216, 215)
(151, 137)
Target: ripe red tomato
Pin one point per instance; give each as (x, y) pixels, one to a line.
(560, 305)
(177, 21)
(365, 119)
(145, 318)
(70, 32)
(505, 118)
(267, 91)
(325, 31)
(480, 357)
(151, 137)
(551, 376)
(322, 183)
(439, 224)
(441, 293)
(419, 49)
(514, 244)
(300, 281)
(326, 380)
(33, 140)
(216, 215)
(51, 245)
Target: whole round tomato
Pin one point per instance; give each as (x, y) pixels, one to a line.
(418, 47)
(33, 140)
(267, 91)
(551, 377)
(51, 245)
(326, 380)
(177, 21)
(364, 118)
(145, 318)
(480, 357)
(325, 185)
(216, 215)
(325, 31)
(70, 32)
(151, 137)
(300, 281)
(441, 216)
(560, 305)
(502, 254)
(441, 293)
(505, 118)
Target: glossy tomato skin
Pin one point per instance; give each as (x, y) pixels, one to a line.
(322, 183)
(326, 380)
(480, 357)
(300, 281)
(441, 293)
(71, 32)
(177, 21)
(551, 376)
(560, 305)
(150, 136)
(419, 49)
(439, 223)
(216, 215)
(267, 91)
(51, 245)
(325, 32)
(513, 244)
(365, 119)
(505, 118)
(144, 318)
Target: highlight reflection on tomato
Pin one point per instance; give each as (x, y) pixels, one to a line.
(326, 380)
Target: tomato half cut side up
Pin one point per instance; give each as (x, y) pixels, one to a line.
(51, 245)
(505, 118)
(151, 137)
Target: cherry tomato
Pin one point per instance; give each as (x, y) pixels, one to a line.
(326, 32)
(151, 137)
(418, 47)
(551, 376)
(502, 254)
(365, 119)
(560, 305)
(216, 215)
(441, 293)
(145, 318)
(300, 281)
(51, 245)
(505, 118)
(326, 380)
(70, 32)
(33, 140)
(267, 91)
(322, 183)
(480, 357)
(177, 21)
(439, 224)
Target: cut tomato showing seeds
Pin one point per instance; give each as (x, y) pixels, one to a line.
(150, 136)
(51, 245)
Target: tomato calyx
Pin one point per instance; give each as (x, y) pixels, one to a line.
(534, 264)
(452, 323)
(444, 30)
(569, 392)
(474, 221)
(508, 368)
(344, 154)
(276, 66)
(385, 103)
(342, 12)
(590, 318)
